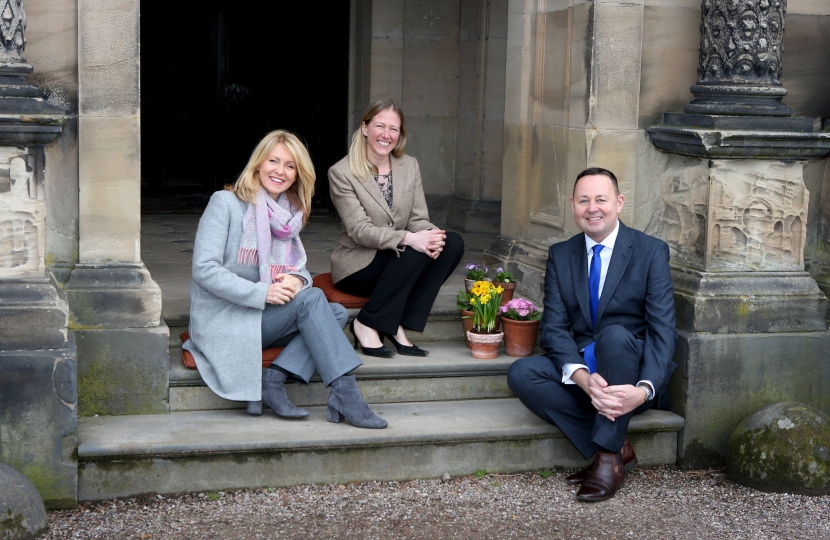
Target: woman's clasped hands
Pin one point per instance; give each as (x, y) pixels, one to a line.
(283, 289)
(430, 242)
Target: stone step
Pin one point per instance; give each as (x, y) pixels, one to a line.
(442, 325)
(448, 373)
(125, 456)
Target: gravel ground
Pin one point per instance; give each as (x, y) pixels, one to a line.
(653, 503)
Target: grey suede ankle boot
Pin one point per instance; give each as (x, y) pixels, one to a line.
(346, 402)
(274, 396)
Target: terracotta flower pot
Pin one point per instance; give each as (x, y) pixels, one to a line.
(467, 321)
(519, 336)
(509, 289)
(485, 346)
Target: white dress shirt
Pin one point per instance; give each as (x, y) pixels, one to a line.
(605, 259)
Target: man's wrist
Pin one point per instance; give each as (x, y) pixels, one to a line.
(649, 391)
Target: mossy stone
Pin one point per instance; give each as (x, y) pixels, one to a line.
(22, 515)
(783, 448)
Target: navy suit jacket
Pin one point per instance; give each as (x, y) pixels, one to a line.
(637, 295)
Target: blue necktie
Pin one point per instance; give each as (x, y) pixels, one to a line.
(593, 285)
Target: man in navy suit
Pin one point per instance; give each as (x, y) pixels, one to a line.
(608, 332)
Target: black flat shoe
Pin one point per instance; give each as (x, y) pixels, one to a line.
(406, 350)
(379, 352)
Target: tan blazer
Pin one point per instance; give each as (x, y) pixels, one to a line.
(368, 224)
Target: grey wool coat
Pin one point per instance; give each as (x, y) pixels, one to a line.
(368, 224)
(226, 304)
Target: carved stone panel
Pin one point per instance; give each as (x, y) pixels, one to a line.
(685, 194)
(22, 211)
(757, 216)
(735, 215)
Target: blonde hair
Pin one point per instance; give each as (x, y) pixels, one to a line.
(248, 185)
(359, 162)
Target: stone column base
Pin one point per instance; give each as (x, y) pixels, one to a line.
(115, 313)
(722, 378)
(39, 419)
(737, 302)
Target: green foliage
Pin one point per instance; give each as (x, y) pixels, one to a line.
(481, 473)
(485, 299)
(462, 301)
(545, 473)
(214, 496)
(503, 276)
(476, 272)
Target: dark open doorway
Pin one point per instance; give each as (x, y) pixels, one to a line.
(216, 78)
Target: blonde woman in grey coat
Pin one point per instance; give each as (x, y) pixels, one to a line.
(250, 290)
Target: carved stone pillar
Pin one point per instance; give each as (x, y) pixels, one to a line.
(751, 320)
(741, 52)
(38, 368)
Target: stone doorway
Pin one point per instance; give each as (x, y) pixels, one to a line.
(216, 79)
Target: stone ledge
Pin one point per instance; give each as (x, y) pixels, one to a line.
(446, 359)
(219, 432)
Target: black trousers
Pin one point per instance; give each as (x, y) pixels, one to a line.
(401, 290)
(537, 382)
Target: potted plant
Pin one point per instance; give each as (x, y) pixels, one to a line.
(475, 272)
(505, 280)
(485, 299)
(520, 324)
(463, 303)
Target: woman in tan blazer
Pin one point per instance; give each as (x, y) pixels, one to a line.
(388, 249)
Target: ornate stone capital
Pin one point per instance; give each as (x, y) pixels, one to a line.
(741, 41)
(741, 55)
(12, 31)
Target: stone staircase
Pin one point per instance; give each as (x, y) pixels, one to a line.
(447, 412)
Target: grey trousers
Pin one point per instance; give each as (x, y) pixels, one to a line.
(321, 345)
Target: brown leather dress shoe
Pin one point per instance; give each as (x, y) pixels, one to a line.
(629, 459)
(606, 477)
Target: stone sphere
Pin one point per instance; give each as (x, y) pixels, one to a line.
(784, 448)
(22, 515)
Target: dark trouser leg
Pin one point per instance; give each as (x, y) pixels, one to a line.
(618, 361)
(402, 289)
(537, 383)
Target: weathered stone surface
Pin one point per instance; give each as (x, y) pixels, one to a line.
(110, 189)
(22, 514)
(728, 215)
(474, 216)
(32, 303)
(108, 57)
(113, 296)
(723, 378)
(784, 447)
(22, 213)
(739, 302)
(38, 415)
(123, 371)
(195, 451)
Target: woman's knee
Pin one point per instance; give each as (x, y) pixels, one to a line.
(340, 313)
(454, 243)
(310, 296)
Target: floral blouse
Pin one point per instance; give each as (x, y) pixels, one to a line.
(385, 184)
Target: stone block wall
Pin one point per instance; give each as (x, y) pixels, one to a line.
(444, 63)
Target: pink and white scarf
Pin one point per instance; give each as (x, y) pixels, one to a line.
(271, 237)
